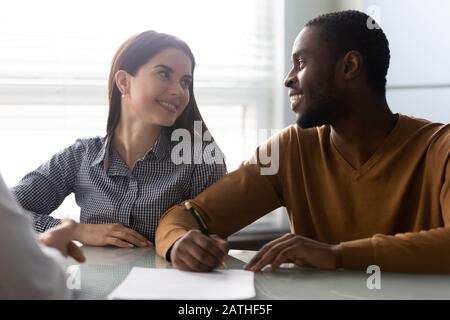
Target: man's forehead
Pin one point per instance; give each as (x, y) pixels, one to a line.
(305, 42)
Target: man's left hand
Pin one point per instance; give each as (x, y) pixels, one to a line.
(300, 250)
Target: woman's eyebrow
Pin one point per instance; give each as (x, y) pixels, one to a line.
(164, 67)
(171, 70)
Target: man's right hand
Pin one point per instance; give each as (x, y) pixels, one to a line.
(197, 252)
(113, 234)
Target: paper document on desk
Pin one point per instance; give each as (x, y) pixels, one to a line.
(172, 284)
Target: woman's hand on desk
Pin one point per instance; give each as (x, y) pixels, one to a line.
(113, 234)
(300, 250)
(198, 252)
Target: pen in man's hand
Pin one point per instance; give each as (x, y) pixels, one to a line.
(200, 222)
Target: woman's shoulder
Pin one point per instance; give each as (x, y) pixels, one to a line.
(86, 145)
(94, 141)
(84, 149)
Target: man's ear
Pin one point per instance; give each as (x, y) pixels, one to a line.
(123, 81)
(352, 65)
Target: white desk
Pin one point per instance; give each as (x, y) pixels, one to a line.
(106, 267)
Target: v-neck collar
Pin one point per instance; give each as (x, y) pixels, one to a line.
(387, 143)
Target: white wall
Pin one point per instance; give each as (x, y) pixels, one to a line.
(419, 74)
(419, 40)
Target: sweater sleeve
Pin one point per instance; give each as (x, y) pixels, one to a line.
(426, 251)
(233, 202)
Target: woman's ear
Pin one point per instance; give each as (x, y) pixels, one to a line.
(122, 81)
(352, 65)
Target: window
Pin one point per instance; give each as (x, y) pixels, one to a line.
(55, 58)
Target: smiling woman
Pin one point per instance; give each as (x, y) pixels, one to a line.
(53, 71)
(150, 86)
(124, 182)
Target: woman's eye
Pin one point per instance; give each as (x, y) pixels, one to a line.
(186, 83)
(301, 64)
(164, 74)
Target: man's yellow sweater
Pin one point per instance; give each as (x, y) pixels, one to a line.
(393, 211)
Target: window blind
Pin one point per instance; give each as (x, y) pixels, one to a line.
(55, 58)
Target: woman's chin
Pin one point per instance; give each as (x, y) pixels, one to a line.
(167, 123)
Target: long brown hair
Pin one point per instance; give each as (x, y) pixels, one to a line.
(131, 55)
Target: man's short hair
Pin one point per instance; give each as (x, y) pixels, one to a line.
(344, 31)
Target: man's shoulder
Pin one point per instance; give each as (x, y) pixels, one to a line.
(416, 123)
(433, 131)
(440, 140)
(434, 137)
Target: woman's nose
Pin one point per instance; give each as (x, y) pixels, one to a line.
(176, 89)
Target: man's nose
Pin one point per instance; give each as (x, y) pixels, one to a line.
(289, 80)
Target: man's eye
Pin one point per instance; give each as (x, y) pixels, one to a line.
(301, 64)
